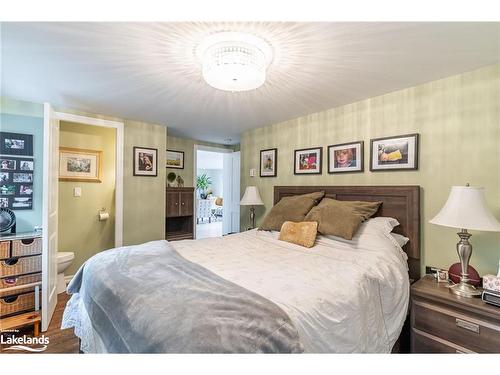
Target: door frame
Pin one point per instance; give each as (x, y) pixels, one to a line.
(200, 147)
(119, 126)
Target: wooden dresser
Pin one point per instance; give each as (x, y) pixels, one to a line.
(20, 280)
(442, 322)
(180, 213)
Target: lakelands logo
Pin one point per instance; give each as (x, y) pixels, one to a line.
(21, 343)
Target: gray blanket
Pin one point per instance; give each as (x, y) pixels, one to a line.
(149, 299)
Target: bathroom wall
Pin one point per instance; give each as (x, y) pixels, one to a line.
(458, 122)
(80, 231)
(18, 116)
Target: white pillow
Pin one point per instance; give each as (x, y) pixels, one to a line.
(401, 240)
(379, 224)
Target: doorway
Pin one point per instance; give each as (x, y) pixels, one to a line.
(216, 171)
(50, 209)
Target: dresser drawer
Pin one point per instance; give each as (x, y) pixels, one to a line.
(19, 266)
(422, 342)
(14, 304)
(464, 331)
(27, 246)
(18, 281)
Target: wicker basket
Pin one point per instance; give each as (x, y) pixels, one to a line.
(8, 282)
(17, 303)
(4, 249)
(29, 246)
(19, 266)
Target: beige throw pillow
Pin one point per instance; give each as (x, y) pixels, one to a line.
(293, 208)
(303, 234)
(341, 218)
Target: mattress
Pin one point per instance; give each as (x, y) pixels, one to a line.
(341, 296)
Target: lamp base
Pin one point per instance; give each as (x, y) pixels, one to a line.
(465, 290)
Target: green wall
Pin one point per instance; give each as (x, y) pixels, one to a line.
(143, 197)
(25, 117)
(187, 145)
(458, 121)
(80, 230)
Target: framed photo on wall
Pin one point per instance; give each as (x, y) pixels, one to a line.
(175, 159)
(308, 161)
(78, 164)
(346, 157)
(269, 162)
(394, 153)
(16, 144)
(16, 183)
(145, 161)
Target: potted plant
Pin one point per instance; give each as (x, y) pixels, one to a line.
(202, 184)
(171, 178)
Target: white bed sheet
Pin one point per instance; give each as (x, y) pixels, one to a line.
(343, 296)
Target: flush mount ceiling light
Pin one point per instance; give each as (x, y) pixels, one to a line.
(234, 61)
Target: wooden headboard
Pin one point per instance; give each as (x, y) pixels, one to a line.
(399, 202)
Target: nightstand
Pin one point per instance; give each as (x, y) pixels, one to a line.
(442, 322)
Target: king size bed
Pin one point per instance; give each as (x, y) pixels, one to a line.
(253, 293)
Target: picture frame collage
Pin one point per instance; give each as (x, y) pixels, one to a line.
(386, 154)
(17, 167)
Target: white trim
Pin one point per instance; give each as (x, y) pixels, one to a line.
(67, 279)
(197, 147)
(85, 120)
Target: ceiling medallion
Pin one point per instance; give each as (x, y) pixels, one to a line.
(234, 61)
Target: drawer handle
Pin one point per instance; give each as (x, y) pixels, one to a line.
(467, 325)
(182, 203)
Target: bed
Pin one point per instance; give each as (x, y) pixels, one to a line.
(250, 292)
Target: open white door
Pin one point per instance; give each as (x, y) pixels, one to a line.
(50, 209)
(231, 193)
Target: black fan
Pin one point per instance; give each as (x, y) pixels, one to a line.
(7, 220)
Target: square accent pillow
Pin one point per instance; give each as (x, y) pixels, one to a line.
(341, 218)
(303, 233)
(294, 208)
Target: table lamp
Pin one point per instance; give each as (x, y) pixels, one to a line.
(251, 198)
(466, 209)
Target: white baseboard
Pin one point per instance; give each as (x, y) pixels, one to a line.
(68, 278)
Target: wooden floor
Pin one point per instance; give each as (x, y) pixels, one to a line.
(60, 341)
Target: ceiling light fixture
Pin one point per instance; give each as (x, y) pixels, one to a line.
(234, 61)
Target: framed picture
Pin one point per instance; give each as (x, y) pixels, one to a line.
(145, 161)
(308, 161)
(269, 162)
(442, 276)
(175, 159)
(16, 183)
(77, 164)
(394, 153)
(16, 144)
(8, 164)
(346, 157)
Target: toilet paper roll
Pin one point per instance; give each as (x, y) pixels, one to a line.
(103, 216)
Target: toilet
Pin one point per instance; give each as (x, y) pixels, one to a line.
(64, 260)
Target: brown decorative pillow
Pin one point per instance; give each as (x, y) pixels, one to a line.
(294, 208)
(303, 234)
(341, 218)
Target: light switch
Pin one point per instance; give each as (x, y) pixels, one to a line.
(252, 172)
(77, 192)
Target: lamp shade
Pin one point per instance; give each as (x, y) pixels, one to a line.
(251, 197)
(466, 209)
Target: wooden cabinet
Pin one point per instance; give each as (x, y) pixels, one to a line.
(179, 211)
(444, 323)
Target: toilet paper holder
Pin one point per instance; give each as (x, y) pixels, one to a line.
(103, 215)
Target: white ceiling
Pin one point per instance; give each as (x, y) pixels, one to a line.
(148, 71)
